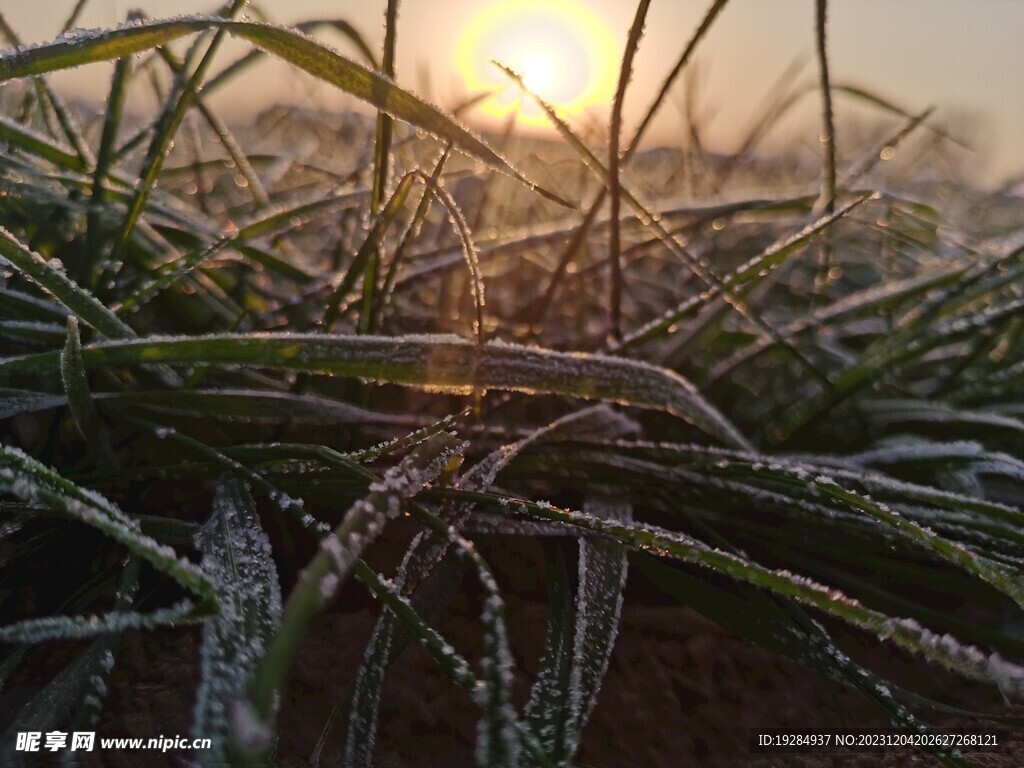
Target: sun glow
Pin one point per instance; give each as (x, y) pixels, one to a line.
(563, 52)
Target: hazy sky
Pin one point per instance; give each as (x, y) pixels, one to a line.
(964, 57)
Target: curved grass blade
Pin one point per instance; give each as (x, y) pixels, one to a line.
(361, 261)
(454, 664)
(85, 48)
(965, 660)
(413, 229)
(56, 114)
(287, 44)
(469, 252)
(426, 563)
(30, 481)
(442, 363)
(602, 579)
(61, 287)
(338, 551)
(236, 558)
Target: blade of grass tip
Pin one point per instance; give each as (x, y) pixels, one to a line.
(369, 246)
(381, 167)
(80, 401)
(323, 575)
(54, 282)
(581, 233)
(177, 104)
(411, 232)
(469, 252)
(827, 201)
(636, 31)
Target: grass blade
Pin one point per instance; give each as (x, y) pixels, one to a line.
(602, 579)
(236, 557)
(30, 481)
(614, 183)
(80, 400)
(331, 565)
(56, 283)
(436, 362)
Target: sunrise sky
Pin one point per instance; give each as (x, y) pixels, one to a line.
(962, 56)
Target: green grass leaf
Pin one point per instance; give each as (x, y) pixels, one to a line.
(237, 560)
(439, 363)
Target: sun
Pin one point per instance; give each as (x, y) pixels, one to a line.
(564, 52)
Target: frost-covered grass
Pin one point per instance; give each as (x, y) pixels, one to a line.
(791, 410)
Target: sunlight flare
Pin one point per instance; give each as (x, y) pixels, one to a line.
(565, 53)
